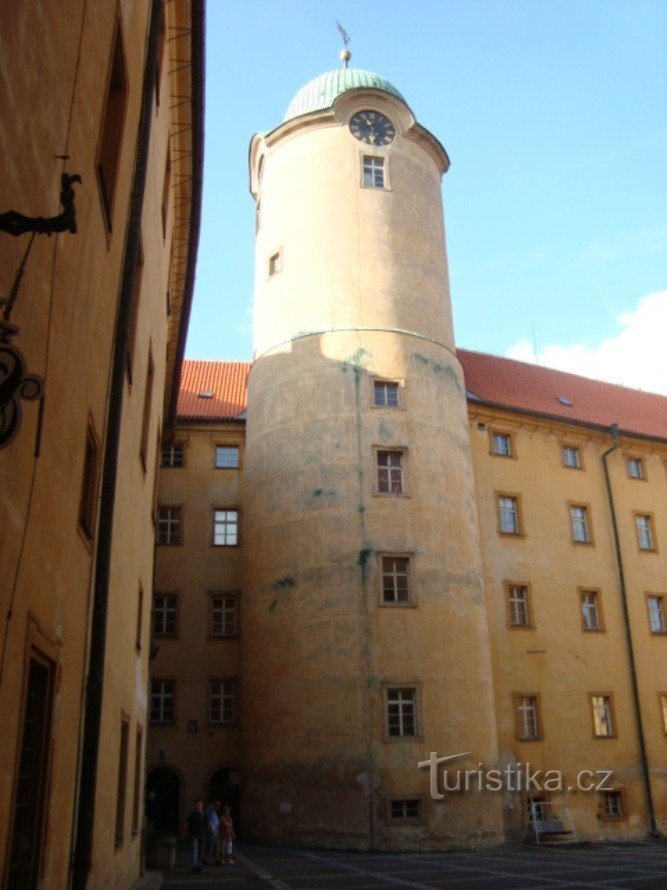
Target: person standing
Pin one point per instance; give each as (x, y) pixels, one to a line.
(227, 835)
(197, 833)
(213, 832)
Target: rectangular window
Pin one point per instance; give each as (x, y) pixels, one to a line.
(373, 172)
(401, 712)
(166, 188)
(385, 395)
(636, 468)
(111, 133)
(580, 524)
(527, 717)
(140, 618)
(148, 404)
(169, 525)
(645, 536)
(223, 615)
(501, 444)
(162, 42)
(225, 528)
(226, 457)
(571, 457)
(390, 472)
(590, 610)
(613, 805)
(162, 701)
(663, 711)
(136, 800)
(88, 499)
(603, 723)
(275, 263)
(165, 615)
(172, 456)
(518, 605)
(396, 579)
(656, 614)
(122, 782)
(134, 311)
(405, 809)
(221, 701)
(508, 515)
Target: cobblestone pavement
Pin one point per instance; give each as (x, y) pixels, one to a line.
(631, 866)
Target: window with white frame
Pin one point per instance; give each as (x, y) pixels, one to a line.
(221, 701)
(580, 523)
(645, 537)
(612, 805)
(223, 615)
(390, 472)
(501, 444)
(519, 611)
(603, 724)
(225, 528)
(508, 515)
(396, 579)
(590, 610)
(571, 457)
(165, 615)
(636, 468)
(385, 394)
(401, 711)
(226, 457)
(162, 701)
(169, 525)
(527, 717)
(373, 176)
(656, 614)
(172, 455)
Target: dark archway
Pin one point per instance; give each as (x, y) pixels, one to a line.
(163, 792)
(225, 786)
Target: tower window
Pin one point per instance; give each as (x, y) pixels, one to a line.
(590, 610)
(396, 579)
(390, 472)
(275, 263)
(518, 604)
(509, 515)
(401, 712)
(373, 172)
(527, 717)
(580, 524)
(385, 394)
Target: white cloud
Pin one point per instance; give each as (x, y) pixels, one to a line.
(636, 356)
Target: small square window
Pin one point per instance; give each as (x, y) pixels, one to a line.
(169, 525)
(275, 263)
(571, 457)
(401, 718)
(603, 719)
(509, 518)
(172, 456)
(221, 701)
(502, 445)
(645, 534)
(656, 613)
(518, 605)
(225, 528)
(404, 809)
(162, 701)
(164, 617)
(226, 457)
(385, 394)
(590, 610)
(580, 524)
(527, 717)
(636, 468)
(373, 174)
(390, 472)
(223, 615)
(612, 805)
(396, 580)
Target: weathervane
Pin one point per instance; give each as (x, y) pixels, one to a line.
(345, 54)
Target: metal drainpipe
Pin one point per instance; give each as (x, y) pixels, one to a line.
(85, 814)
(628, 637)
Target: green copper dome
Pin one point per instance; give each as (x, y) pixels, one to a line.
(321, 92)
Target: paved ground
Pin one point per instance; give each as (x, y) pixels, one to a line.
(637, 866)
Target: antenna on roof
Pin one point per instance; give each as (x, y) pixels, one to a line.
(345, 54)
(534, 344)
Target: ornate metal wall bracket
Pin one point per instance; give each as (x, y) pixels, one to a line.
(17, 224)
(15, 385)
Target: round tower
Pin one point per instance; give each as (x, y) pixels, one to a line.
(364, 641)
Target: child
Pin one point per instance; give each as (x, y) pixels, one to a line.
(227, 835)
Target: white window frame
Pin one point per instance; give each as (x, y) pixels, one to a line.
(163, 699)
(222, 452)
(169, 526)
(172, 456)
(590, 610)
(508, 514)
(386, 387)
(518, 602)
(644, 526)
(580, 524)
(528, 712)
(395, 476)
(222, 701)
(227, 614)
(163, 611)
(225, 527)
(603, 716)
(396, 580)
(656, 613)
(373, 172)
(571, 455)
(401, 712)
(501, 444)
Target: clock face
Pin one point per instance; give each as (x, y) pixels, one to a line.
(372, 128)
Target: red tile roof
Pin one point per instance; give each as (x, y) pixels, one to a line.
(226, 381)
(503, 382)
(490, 379)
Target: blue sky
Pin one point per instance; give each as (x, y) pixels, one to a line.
(554, 115)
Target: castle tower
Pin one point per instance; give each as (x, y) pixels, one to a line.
(364, 639)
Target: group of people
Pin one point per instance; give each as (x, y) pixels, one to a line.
(211, 831)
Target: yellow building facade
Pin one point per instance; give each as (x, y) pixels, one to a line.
(96, 327)
(448, 565)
